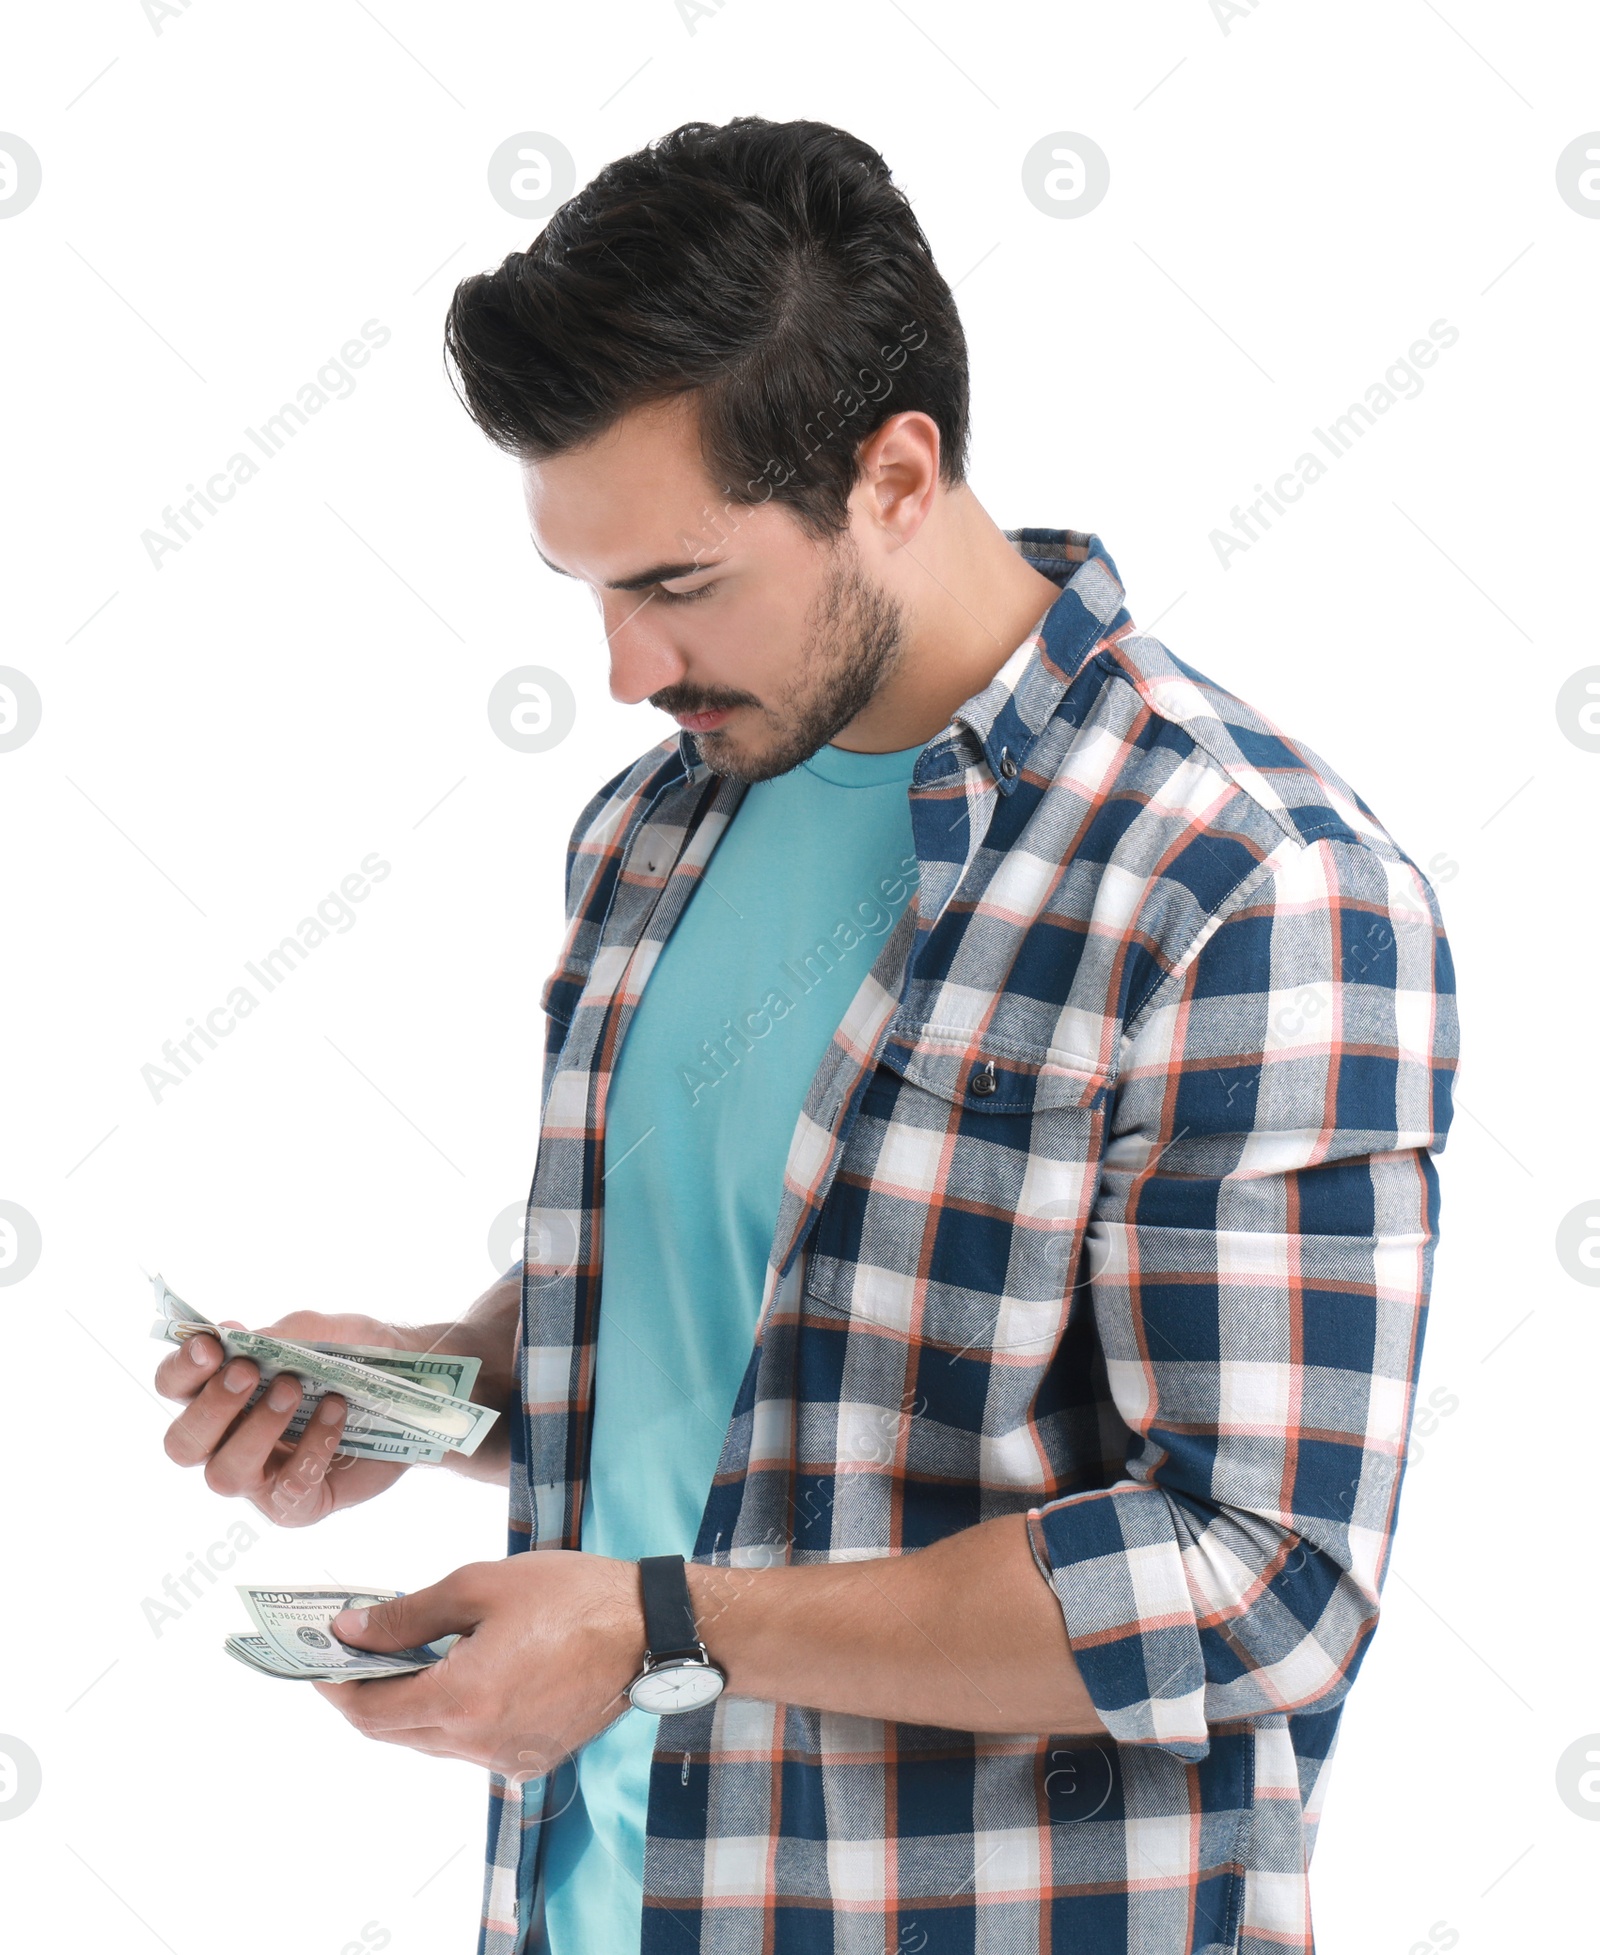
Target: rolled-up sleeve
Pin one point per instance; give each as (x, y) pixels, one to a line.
(1258, 1265)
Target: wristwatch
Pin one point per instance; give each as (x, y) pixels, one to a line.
(678, 1675)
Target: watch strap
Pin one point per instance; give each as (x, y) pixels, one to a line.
(668, 1612)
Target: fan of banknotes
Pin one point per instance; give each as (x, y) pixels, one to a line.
(294, 1639)
(411, 1407)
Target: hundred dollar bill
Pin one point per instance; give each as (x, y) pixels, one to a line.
(296, 1641)
(369, 1435)
(395, 1448)
(420, 1412)
(256, 1653)
(371, 1432)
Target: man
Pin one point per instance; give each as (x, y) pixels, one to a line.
(984, 1210)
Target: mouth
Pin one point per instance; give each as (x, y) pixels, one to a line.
(704, 722)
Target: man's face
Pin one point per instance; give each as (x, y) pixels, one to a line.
(764, 642)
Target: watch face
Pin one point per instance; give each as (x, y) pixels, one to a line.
(676, 1687)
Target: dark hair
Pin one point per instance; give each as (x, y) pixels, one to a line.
(771, 268)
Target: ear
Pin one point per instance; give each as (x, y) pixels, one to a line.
(898, 477)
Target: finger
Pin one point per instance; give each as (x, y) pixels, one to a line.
(299, 1480)
(181, 1374)
(197, 1431)
(380, 1705)
(434, 1743)
(196, 1359)
(239, 1463)
(410, 1620)
(419, 1737)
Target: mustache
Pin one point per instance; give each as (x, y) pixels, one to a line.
(699, 699)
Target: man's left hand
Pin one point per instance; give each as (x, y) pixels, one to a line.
(549, 1643)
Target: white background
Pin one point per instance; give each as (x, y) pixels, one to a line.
(1296, 194)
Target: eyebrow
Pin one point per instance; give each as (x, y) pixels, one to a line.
(658, 573)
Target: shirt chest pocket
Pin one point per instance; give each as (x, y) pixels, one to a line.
(959, 1206)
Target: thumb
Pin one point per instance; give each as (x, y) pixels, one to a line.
(405, 1623)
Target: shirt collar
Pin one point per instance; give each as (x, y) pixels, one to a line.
(1010, 713)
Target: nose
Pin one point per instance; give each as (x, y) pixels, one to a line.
(644, 659)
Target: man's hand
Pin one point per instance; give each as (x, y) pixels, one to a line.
(244, 1452)
(549, 1643)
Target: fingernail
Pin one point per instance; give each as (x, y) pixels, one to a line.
(285, 1392)
(196, 1347)
(349, 1622)
(237, 1377)
(331, 1411)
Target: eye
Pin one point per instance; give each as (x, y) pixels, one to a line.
(685, 597)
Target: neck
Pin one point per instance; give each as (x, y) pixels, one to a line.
(970, 599)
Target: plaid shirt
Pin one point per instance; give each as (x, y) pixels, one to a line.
(1111, 1204)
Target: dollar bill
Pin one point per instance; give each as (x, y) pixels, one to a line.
(293, 1638)
(255, 1652)
(368, 1435)
(410, 1410)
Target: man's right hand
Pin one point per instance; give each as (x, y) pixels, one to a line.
(244, 1452)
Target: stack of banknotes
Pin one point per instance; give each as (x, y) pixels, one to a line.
(295, 1641)
(411, 1407)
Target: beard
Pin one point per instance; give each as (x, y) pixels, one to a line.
(855, 635)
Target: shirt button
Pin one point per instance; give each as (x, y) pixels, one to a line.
(982, 1083)
(1008, 766)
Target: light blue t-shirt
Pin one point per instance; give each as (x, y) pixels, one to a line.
(801, 891)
